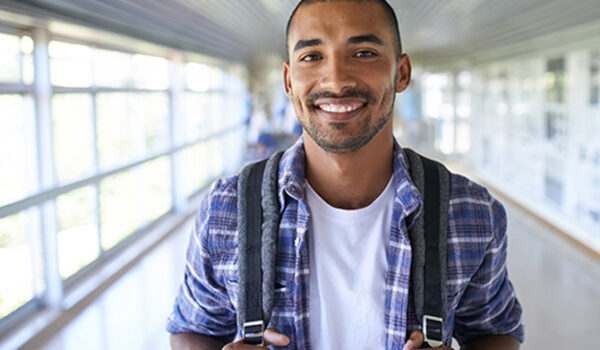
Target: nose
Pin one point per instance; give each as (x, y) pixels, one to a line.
(337, 75)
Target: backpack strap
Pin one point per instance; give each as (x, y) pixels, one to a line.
(258, 223)
(428, 239)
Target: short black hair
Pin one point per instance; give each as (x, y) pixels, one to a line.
(387, 9)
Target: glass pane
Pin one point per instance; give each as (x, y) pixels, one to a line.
(16, 263)
(152, 109)
(194, 168)
(112, 68)
(156, 183)
(201, 77)
(73, 135)
(9, 58)
(27, 50)
(119, 214)
(150, 72)
(118, 133)
(16, 148)
(196, 116)
(28, 69)
(77, 230)
(215, 159)
(70, 64)
(216, 115)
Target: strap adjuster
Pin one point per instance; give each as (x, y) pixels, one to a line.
(253, 332)
(432, 330)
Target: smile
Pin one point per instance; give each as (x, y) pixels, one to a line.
(340, 108)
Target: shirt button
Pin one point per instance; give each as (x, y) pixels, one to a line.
(297, 241)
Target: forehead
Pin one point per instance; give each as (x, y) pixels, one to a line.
(339, 19)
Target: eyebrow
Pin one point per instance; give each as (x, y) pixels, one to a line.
(306, 43)
(368, 38)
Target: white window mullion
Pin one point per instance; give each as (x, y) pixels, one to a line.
(176, 92)
(43, 95)
(96, 170)
(95, 153)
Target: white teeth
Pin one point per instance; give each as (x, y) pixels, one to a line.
(338, 108)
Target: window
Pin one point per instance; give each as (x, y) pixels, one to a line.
(110, 165)
(70, 64)
(77, 230)
(119, 208)
(73, 136)
(195, 172)
(19, 231)
(17, 147)
(130, 126)
(19, 260)
(112, 69)
(150, 72)
(16, 58)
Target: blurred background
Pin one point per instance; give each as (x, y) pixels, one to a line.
(116, 115)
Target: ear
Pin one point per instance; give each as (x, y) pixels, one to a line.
(404, 72)
(287, 81)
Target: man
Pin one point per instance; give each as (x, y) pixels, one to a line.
(343, 254)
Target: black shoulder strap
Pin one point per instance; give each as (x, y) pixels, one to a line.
(428, 239)
(258, 222)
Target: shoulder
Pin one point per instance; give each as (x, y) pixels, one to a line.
(216, 220)
(223, 190)
(463, 188)
(473, 201)
(476, 232)
(476, 217)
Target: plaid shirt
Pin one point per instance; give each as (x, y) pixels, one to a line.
(481, 298)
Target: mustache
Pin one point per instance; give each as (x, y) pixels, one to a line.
(345, 93)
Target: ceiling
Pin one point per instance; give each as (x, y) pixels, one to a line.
(242, 30)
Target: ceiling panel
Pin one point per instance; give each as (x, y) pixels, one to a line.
(242, 30)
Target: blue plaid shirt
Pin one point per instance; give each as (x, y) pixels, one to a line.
(481, 298)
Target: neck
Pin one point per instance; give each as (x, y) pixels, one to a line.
(353, 180)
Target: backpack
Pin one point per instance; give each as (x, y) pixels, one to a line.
(258, 226)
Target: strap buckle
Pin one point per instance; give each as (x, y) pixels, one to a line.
(253, 332)
(432, 330)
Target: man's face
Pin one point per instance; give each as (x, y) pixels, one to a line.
(343, 74)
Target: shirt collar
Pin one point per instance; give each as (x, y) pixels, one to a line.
(292, 169)
(407, 194)
(291, 173)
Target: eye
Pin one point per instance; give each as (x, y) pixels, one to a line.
(365, 53)
(310, 57)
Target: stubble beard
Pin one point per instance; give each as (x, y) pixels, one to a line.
(344, 144)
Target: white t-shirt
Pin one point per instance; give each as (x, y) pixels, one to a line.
(348, 264)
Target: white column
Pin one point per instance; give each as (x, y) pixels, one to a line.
(177, 75)
(577, 99)
(43, 95)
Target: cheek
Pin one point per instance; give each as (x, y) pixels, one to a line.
(301, 81)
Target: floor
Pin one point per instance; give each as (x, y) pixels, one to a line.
(557, 284)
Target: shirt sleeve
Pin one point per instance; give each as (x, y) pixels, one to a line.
(489, 304)
(202, 304)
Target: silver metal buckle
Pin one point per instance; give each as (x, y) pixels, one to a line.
(433, 342)
(253, 332)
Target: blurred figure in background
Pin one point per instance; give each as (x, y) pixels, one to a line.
(411, 114)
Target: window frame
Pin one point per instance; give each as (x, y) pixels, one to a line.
(42, 91)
